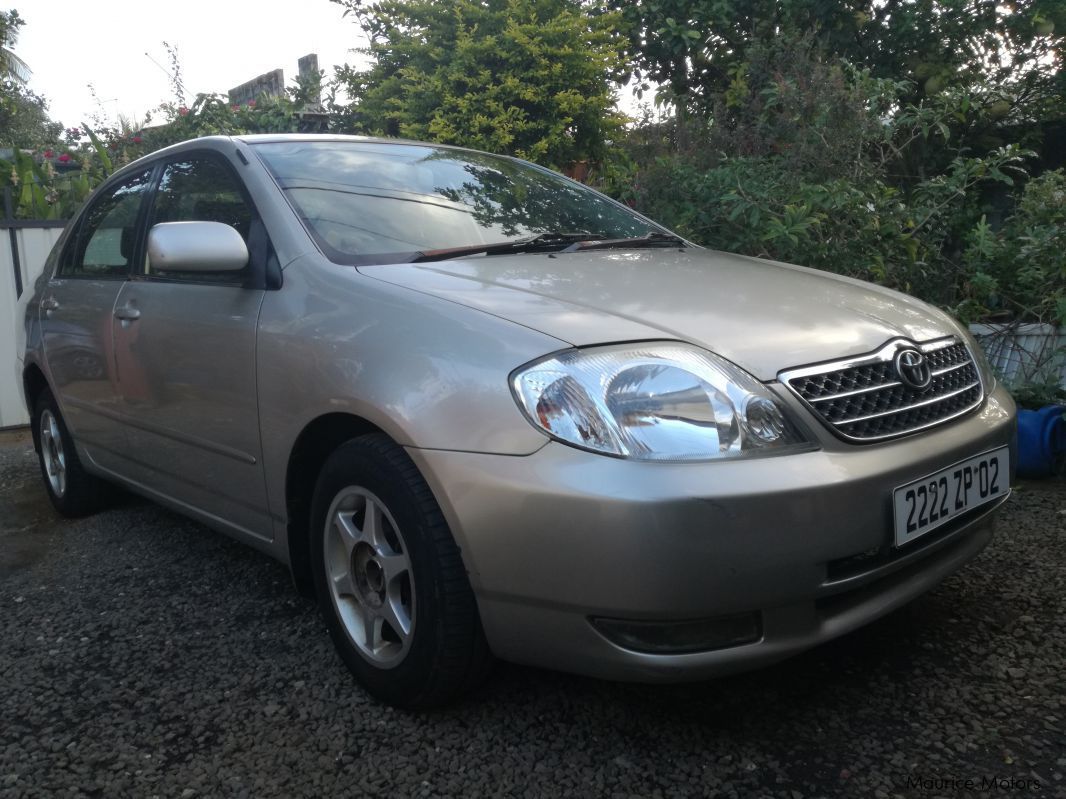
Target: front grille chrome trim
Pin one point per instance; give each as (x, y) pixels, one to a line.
(938, 398)
(938, 372)
(843, 411)
(855, 393)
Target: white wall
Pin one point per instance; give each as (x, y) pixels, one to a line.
(34, 244)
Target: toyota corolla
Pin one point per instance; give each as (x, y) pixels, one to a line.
(482, 410)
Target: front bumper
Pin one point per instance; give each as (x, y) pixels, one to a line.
(554, 538)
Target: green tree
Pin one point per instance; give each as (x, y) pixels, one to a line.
(11, 66)
(696, 46)
(801, 161)
(531, 78)
(24, 121)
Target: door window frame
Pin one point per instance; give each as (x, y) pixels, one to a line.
(265, 273)
(71, 245)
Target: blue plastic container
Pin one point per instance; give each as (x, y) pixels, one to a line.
(1041, 441)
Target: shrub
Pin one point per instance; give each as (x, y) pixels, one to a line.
(1019, 269)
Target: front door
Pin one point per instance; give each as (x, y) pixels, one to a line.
(76, 312)
(185, 355)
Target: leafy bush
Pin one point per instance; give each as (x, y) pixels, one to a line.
(861, 228)
(52, 181)
(804, 160)
(1020, 269)
(527, 77)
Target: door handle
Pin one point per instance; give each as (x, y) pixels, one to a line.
(49, 304)
(127, 314)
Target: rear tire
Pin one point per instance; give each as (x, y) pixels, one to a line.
(390, 578)
(73, 491)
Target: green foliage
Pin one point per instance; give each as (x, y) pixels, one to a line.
(523, 77)
(24, 120)
(214, 115)
(810, 160)
(956, 77)
(861, 228)
(39, 190)
(52, 181)
(1020, 269)
(1036, 395)
(694, 46)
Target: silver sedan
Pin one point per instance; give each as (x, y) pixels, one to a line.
(480, 409)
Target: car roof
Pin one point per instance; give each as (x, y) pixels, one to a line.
(273, 138)
(218, 142)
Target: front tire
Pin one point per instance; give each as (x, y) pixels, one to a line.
(73, 491)
(390, 579)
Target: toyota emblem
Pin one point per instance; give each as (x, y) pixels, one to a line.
(913, 369)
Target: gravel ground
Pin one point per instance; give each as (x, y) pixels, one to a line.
(144, 655)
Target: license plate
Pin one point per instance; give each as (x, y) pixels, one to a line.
(936, 499)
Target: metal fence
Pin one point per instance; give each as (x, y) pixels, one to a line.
(1024, 353)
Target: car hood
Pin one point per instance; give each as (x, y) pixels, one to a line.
(762, 315)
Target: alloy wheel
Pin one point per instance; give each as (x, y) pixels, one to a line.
(369, 574)
(52, 453)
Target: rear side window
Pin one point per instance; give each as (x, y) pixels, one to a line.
(201, 189)
(106, 239)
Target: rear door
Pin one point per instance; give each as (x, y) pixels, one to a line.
(185, 350)
(76, 312)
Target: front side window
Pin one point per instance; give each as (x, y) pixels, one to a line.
(370, 202)
(104, 244)
(201, 189)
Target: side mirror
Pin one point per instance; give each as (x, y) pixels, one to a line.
(196, 247)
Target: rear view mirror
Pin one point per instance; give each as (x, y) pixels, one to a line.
(196, 247)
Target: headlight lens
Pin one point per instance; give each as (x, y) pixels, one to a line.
(657, 402)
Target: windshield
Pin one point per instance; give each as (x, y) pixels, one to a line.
(373, 202)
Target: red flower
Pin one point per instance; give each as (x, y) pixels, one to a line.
(137, 139)
(183, 111)
(234, 108)
(49, 154)
(64, 158)
(251, 103)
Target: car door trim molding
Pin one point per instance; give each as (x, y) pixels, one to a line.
(166, 432)
(257, 540)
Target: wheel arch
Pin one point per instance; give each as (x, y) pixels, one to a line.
(315, 443)
(33, 383)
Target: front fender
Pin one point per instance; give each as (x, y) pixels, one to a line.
(429, 372)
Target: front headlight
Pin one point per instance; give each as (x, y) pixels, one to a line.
(659, 401)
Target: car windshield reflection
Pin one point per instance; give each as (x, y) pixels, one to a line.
(372, 202)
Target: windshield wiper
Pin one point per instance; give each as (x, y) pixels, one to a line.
(569, 242)
(527, 244)
(654, 239)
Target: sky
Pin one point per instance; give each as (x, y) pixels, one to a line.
(71, 43)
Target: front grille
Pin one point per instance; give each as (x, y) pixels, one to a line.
(865, 398)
